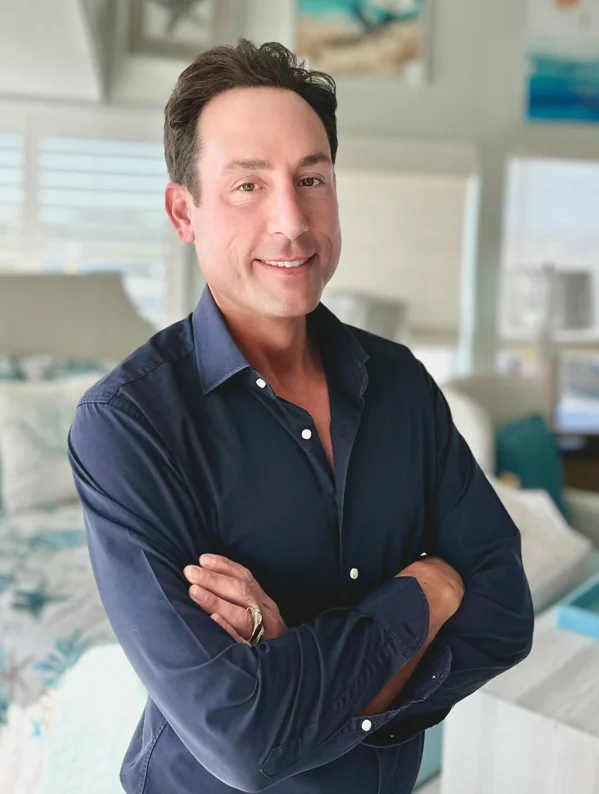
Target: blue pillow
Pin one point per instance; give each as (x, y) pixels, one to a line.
(528, 449)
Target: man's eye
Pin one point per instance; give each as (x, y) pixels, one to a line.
(310, 181)
(247, 187)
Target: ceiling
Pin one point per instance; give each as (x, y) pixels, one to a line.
(47, 50)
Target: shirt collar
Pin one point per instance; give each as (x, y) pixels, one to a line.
(219, 358)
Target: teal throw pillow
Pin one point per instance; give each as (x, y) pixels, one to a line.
(528, 449)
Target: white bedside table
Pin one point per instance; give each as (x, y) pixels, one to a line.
(534, 729)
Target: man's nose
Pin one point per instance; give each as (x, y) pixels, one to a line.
(287, 216)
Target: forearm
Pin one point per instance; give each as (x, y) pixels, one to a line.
(485, 638)
(393, 688)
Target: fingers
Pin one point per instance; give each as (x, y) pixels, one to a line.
(220, 564)
(221, 586)
(216, 563)
(231, 589)
(238, 617)
(229, 629)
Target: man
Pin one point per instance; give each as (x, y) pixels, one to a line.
(316, 464)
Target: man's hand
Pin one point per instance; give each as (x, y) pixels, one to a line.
(224, 589)
(442, 585)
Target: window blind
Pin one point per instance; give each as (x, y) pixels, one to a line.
(11, 199)
(82, 190)
(404, 237)
(101, 207)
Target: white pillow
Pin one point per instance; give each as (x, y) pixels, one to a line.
(35, 418)
(475, 425)
(553, 554)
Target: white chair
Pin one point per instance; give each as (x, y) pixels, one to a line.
(505, 398)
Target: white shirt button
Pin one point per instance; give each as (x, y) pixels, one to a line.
(261, 383)
(307, 434)
(354, 573)
(366, 725)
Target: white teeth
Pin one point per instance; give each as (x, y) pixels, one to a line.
(293, 263)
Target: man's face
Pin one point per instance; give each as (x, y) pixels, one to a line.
(267, 196)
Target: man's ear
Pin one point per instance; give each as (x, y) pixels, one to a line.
(178, 202)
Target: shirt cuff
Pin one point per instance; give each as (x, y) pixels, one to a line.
(402, 725)
(400, 608)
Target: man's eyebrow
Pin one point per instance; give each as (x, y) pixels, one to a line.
(315, 159)
(264, 165)
(247, 165)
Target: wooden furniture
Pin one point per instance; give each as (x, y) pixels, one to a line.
(534, 728)
(580, 454)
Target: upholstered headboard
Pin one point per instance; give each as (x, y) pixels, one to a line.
(79, 317)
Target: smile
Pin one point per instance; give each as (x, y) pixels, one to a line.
(288, 263)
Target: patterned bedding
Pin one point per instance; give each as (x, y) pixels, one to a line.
(50, 614)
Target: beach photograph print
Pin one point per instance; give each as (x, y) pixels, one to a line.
(363, 37)
(563, 60)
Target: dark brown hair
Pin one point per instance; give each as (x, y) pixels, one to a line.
(243, 66)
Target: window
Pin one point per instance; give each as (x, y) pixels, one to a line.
(11, 199)
(552, 212)
(552, 207)
(76, 198)
(100, 207)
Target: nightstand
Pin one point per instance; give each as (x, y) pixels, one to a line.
(580, 456)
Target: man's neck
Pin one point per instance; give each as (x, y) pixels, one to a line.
(277, 348)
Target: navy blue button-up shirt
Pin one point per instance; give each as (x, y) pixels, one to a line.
(181, 451)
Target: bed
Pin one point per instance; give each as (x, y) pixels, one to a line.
(58, 335)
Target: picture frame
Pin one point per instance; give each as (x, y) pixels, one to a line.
(180, 28)
(368, 38)
(562, 61)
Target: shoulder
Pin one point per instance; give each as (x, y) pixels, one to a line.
(145, 368)
(388, 358)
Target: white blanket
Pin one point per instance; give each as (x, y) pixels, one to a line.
(50, 614)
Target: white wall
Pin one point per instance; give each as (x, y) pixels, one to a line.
(46, 51)
(475, 95)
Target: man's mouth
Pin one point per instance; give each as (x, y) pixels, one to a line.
(289, 264)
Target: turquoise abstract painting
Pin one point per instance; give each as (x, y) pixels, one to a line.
(365, 37)
(563, 60)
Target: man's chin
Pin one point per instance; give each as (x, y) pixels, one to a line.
(290, 308)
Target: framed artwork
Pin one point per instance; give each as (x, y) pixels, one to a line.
(562, 53)
(364, 37)
(176, 28)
